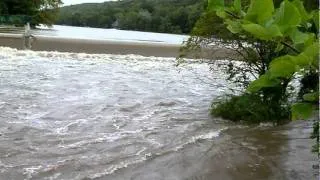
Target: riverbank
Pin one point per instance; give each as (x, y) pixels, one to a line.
(92, 46)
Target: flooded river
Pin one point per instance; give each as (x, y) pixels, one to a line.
(79, 116)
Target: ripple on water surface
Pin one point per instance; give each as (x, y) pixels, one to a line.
(75, 116)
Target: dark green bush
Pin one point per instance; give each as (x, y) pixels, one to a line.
(250, 108)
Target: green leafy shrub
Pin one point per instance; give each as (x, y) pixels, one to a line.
(292, 25)
(250, 108)
(289, 25)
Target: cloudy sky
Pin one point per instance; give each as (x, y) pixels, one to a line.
(69, 2)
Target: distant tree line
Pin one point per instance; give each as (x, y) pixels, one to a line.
(167, 16)
(37, 11)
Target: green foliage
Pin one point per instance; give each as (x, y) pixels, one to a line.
(41, 11)
(276, 40)
(301, 111)
(309, 83)
(256, 56)
(259, 11)
(303, 12)
(263, 81)
(293, 26)
(289, 25)
(299, 37)
(209, 25)
(315, 18)
(264, 33)
(277, 69)
(215, 4)
(237, 6)
(14, 19)
(311, 97)
(167, 16)
(287, 17)
(250, 108)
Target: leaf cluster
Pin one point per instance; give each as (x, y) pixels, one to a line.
(288, 26)
(40, 11)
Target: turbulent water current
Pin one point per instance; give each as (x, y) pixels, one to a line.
(78, 116)
(92, 115)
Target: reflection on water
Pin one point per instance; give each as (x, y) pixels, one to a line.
(80, 116)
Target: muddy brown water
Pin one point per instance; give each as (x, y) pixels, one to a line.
(79, 116)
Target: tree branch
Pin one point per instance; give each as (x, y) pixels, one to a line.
(290, 47)
(231, 14)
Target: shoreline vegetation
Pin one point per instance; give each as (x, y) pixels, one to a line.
(266, 56)
(165, 16)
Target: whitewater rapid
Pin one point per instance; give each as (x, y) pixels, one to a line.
(87, 116)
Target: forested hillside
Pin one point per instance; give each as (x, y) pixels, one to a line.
(169, 16)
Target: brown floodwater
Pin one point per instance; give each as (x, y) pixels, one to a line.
(79, 116)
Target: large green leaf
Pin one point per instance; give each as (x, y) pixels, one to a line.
(237, 5)
(301, 111)
(233, 26)
(299, 37)
(305, 16)
(282, 67)
(262, 82)
(261, 32)
(279, 47)
(287, 16)
(221, 13)
(213, 5)
(311, 97)
(260, 11)
(309, 56)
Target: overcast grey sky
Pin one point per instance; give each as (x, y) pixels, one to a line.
(69, 2)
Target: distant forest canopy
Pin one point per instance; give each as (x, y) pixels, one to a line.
(37, 11)
(166, 16)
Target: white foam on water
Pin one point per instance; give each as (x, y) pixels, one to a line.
(7, 52)
(207, 136)
(65, 129)
(124, 164)
(116, 167)
(4, 167)
(16, 55)
(108, 137)
(144, 121)
(30, 171)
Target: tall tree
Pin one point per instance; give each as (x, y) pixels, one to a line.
(40, 11)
